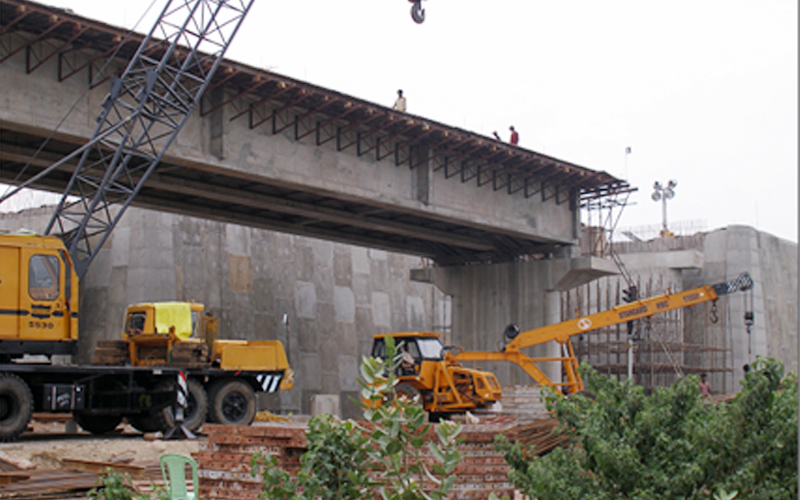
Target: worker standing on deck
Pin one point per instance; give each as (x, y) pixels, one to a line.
(400, 103)
(514, 135)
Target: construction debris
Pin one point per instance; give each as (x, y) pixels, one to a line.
(11, 464)
(268, 416)
(540, 435)
(47, 484)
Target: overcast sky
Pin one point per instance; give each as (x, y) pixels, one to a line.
(703, 91)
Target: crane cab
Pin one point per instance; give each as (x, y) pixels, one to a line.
(38, 297)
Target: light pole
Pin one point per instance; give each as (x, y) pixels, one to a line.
(664, 193)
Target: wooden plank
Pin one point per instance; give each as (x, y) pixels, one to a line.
(135, 471)
(9, 463)
(7, 478)
(42, 483)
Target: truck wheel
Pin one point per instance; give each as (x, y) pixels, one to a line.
(194, 415)
(233, 402)
(407, 392)
(145, 422)
(16, 406)
(97, 424)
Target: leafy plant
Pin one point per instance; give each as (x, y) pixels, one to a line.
(672, 444)
(343, 456)
(724, 495)
(116, 486)
(332, 467)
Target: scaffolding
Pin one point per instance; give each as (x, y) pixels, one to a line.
(662, 348)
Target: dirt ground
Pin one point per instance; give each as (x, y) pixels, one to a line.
(46, 444)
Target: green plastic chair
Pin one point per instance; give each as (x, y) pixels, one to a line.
(173, 468)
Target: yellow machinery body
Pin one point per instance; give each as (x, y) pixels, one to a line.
(178, 333)
(562, 332)
(443, 385)
(38, 292)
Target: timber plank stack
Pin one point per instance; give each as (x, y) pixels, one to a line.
(111, 352)
(540, 435)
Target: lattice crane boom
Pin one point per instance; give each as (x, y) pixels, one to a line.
(142, 114)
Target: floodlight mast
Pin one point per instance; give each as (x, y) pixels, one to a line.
(664, 193)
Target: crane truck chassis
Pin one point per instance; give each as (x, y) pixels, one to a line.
(97, 396)
(135, 378)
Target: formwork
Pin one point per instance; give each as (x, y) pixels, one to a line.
(667, 346)
(662, 348)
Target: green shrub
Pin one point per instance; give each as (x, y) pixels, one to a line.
(343, 456)
(113, 485)
(672, 444)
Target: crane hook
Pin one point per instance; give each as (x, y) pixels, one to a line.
(714, 317)
(417, 12)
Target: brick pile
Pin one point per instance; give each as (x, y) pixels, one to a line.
(225, 459)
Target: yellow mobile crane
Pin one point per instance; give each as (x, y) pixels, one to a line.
(625, 313)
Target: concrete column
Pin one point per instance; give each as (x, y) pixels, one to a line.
(487, 298)
(553, 315)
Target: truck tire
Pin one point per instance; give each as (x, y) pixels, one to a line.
(145, 422)
(233, 402)
(16, 406)
(196, 407)
(407, 392)
(97, 424)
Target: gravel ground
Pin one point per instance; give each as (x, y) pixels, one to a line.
(46, 443)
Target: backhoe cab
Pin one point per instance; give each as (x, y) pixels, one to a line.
(442, 385)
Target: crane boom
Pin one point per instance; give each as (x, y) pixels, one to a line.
(144, 111)
(562, 332)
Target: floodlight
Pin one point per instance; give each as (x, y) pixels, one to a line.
(662, 194)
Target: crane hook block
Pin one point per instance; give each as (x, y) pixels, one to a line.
(417, 12)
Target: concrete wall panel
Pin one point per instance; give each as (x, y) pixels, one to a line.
(250, 279)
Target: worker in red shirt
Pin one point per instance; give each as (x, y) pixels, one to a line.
(514, 135)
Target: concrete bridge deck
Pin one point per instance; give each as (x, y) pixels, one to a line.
(272, 152)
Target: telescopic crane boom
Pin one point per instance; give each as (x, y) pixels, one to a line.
(564, 331)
